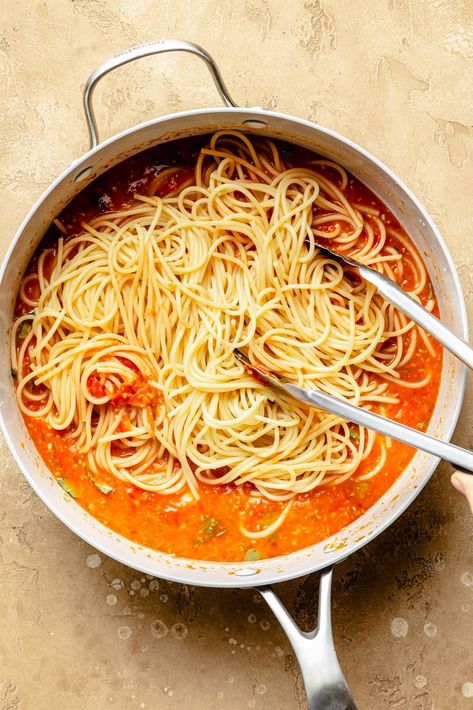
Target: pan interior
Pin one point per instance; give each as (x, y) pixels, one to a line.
(397, 198)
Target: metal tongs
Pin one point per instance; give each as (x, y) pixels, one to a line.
(398, 297)
(461, 458)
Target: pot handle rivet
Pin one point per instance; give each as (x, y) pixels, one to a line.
(146, 50)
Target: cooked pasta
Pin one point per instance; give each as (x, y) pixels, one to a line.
(127, 336)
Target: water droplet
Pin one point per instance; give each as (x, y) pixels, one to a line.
(252, 618)
(420, 681)
(158, 629)
(466, 607)
(246, 572)
(467, 579)
(264, 625)
(278, 651)
(135, 585)
(261, 689)
(231, 679)
(251, 703)
(399, 627)
(430, 630)
(126, 611)
(219, 696)
(179, 631)
(257, 598)
(164, 598)
(232, 642)
(467, 689)
(124, 632)
(94, 561)
(153, 586)
(111, 599)
(144, 592)
(117, 584)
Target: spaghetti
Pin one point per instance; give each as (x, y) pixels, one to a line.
(126, 335)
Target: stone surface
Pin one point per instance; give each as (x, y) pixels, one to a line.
(81, 632)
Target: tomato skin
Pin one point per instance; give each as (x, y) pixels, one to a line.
(95, 387)
(137, 393)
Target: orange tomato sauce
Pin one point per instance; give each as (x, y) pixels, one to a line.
(209, 528)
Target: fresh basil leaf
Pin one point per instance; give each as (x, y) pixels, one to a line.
(24, 330)
(210, 525)
(66, 486)
(251, 555)
(104, 487)
(210, 528)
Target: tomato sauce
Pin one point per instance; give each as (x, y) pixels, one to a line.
(209, 528)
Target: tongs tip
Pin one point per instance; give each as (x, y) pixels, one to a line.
(241, 356)
(258, 372)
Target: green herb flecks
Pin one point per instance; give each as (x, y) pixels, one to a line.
(251, 555)
(210, 525)
(361, 488)
(211, 528)
(103, 487)
(24, 330)
(67, 487)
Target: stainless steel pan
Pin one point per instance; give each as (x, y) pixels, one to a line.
(323, 678)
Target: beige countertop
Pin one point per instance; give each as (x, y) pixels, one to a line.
(79, 631)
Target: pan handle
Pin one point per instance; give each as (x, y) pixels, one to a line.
(324, 681)
(146, 50)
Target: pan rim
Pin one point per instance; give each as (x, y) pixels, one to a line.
(304, 566)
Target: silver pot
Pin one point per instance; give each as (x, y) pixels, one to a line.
(325, 684)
